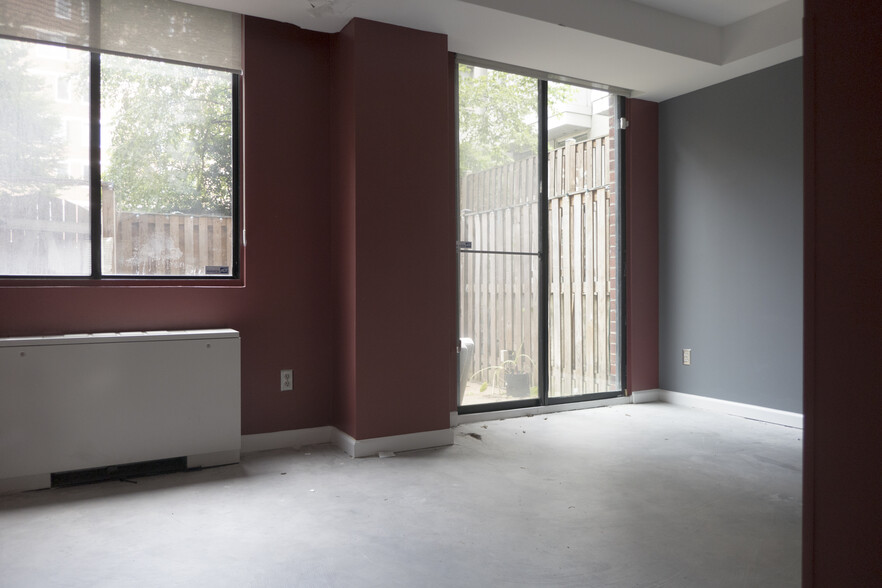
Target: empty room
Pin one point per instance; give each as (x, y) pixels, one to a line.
(447, 293)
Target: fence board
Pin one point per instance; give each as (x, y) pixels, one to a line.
(606, 162)
(54, 232)
(490, 339)
(483, 334)
(588, 290)
(176, 267)
(125, 248)
(500, 292)
(189, 243)
(603, 291)
(507, 225)
(216, 254)
(554, 292)
(577, 296)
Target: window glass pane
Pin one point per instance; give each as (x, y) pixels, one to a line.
(498, 160)
(167, 169)
(583, 236)
(44, 200)
(56, 21)
(160, 29)
(62, 9)
(176, 31)
(499, 216)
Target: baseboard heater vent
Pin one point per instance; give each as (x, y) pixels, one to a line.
(123, 472)
(91, 403)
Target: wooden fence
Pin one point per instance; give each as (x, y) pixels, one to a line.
(500, 293)
(43, 235)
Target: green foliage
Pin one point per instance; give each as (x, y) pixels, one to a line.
(515, 362)
(171, 143)
(498, 112)
(29, 147)
(495, 112)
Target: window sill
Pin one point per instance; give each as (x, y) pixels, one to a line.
(120, 282)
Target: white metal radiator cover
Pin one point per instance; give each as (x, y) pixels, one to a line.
(86, 401)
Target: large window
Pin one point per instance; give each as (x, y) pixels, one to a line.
(167, 169)
(539, 240)
(113, 165)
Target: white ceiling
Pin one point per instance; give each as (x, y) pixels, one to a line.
(658, 49)
(719, 13)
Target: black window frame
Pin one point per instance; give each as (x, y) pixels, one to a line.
(620, 97)
(95, 202)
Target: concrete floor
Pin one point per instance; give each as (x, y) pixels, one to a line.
(649, 495)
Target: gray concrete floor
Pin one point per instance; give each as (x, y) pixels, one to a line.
(649, 495)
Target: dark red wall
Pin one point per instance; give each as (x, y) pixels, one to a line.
(343, 185)
(453, 179)
(287, 207)
(641, 249)
(350, 264)
(283, 311)
(842, 523)
(402, 278)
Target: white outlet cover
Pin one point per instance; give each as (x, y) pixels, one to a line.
(287, 380)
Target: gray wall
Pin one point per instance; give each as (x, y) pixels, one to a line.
(730, 239)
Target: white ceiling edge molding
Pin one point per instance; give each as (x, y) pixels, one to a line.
(771, 28)
(650, 74)
(490, 34)
(662, 31)
(624, 21)
(697, 78)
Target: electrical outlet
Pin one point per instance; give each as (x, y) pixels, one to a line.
(687, 357)
(287, 380)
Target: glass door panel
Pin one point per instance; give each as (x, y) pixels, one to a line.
(499, 236)
(582, 230)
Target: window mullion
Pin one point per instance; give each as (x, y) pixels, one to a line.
(542, 151)
(95, 162)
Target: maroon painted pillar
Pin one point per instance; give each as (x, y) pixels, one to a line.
(394, 230)
(342, 184)
(842, 490)
(286, 313)
(641, 245)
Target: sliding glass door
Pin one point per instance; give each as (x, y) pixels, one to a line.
(538, 241)
(500, 236)
(583, 354)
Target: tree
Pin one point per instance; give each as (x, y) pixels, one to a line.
(494, 109)
(171, 136)
(498, 112)
(29, 146)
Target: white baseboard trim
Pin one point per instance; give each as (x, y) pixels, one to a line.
(641, 396)
(750, 411)
(427, 439)
(354, 447)
(395, 443)
(25, 483)
(498, 415)
(284, 439)
(210, 460)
